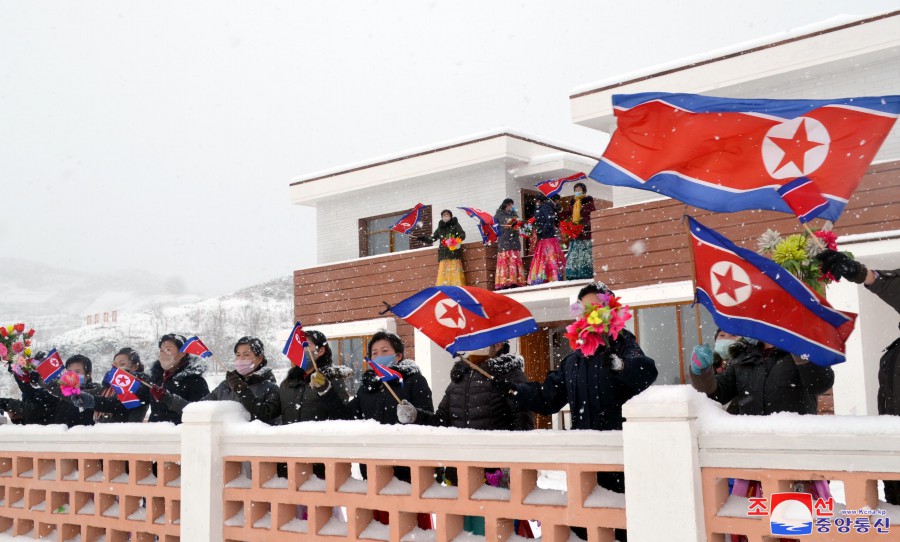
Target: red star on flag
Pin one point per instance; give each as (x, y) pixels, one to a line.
(727, 283)
(795, 147)
(453, 313)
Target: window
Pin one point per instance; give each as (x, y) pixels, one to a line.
(376, 236)
(668, 333)
(350, 352)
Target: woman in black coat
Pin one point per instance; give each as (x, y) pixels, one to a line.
(107, 406)
(315, 396)
(176, 373)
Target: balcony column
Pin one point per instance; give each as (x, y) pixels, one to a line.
(663, 488)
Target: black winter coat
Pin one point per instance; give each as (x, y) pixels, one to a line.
(594, 390)
(887, 287)
(185, 381)
(509, 238)
(261, 400)
(112, 411)
(546, 220)
(35, 408)
(64, 412)
(373, 402)
(301, 403)
(446, 230)
(472, 402)
(765, 381)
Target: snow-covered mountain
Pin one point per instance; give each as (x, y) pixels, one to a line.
(264, 311)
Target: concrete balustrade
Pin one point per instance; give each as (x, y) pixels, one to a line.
(219, 477)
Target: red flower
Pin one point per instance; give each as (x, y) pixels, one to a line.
(20, 328)
(828, 237)
(3, 331)
(27, 342)
(30, 333)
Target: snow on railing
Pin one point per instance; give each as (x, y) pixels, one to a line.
(238, 480)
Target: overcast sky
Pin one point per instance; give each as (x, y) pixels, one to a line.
(162, 135)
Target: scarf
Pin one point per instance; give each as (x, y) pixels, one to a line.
(576, 210)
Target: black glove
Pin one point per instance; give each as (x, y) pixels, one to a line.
(505, 387)
(237, 383)
(424, 238)
(83, 401)
(841, 266)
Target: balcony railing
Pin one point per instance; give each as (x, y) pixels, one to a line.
(219, 477)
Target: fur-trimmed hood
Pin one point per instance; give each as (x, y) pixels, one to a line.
(192, 367)
(498, 366)
(405, 367)
(296, 375)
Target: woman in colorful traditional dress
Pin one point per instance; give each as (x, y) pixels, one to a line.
(510, 271)
(580, 259)
(548, 263)
(450, 235)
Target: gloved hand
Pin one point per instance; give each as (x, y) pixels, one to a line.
(842, 266)
(237, 383)
(158, 392)
(318, 382)
(406, 412)
(83, 400)
(505, 387)
(701, 358)
(425, 239)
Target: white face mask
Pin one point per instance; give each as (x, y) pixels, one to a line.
(446, 218)
(722, 346)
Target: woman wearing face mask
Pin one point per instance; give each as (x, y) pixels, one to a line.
(580, 259)
(548, 263)
(319, 395)
(510, 271)
(251, 383)
(107, 406)
(450, 268)
(374, 402)
(175, 374)
(759, 378)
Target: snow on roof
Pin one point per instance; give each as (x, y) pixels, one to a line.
(442, 145)
(800, 32)
(555, 156)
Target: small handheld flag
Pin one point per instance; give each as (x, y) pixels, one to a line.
(196, 347)
(409, 221)
(295, 348)
(125, 386)
(51, 367)
(752, 296)
(803, 198)
(553, 187)
(385, 374)
(486, 226)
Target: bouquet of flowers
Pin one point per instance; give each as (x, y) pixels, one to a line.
(797, 253)
(596, 323)
(452, 243)
(570, 230)
(69, 383)
(15, 342)
(526, 227)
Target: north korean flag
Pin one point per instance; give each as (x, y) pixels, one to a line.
(410, 220)
(385, 374)
(554, 186)
(728, 155)
(196, 347)
(465, 318)
(295, 348)
(486, 226)
(125, 385)
(752, 296)
(51, 366)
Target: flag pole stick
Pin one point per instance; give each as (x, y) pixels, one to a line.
(476, 367)
(218, 363)
(813, 235)
(385, 384)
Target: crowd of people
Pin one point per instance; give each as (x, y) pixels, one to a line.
(487, 391)
(549, 262)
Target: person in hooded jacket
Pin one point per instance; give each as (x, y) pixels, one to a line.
(886, 285)
(450, 267)
(510, 271)
(548, 263)
(175, 373)
(36, 406)
(106, 404)
(319, 395)
(595, 387)
(251, 384)
(761, 379)
(374, 402)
